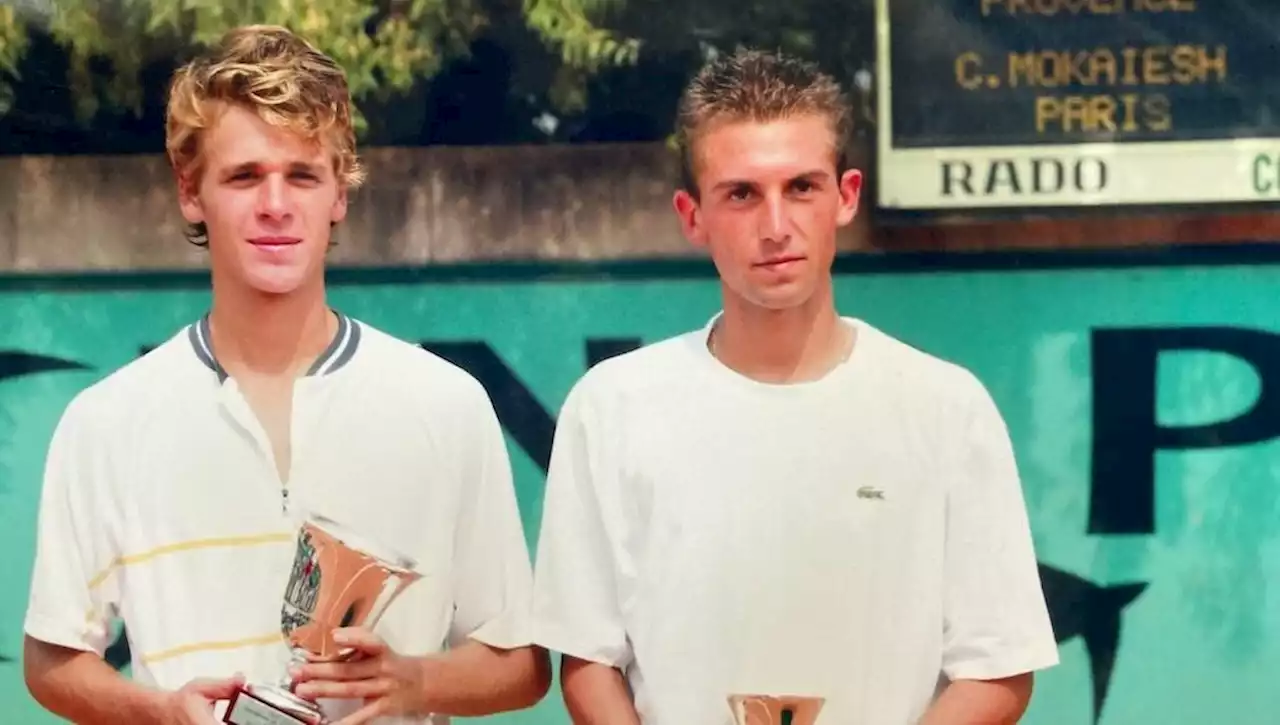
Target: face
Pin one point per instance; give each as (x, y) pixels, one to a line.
(770, 204)
(268, 199)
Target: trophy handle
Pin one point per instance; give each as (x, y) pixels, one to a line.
(392, 586)
(392, 583)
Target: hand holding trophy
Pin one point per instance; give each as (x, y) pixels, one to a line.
(339, 579)
(775, 709)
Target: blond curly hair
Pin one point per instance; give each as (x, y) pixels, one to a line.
(278, 75)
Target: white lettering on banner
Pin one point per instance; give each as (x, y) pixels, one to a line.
(1020, 177)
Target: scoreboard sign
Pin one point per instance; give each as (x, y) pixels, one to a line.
(1061, 103)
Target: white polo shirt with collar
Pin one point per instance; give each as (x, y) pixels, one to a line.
(162, 505)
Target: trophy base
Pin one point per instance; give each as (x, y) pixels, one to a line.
(252, 705)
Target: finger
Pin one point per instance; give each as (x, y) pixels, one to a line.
(216, 689)
(360, 639)
(354, 689)
(364, 715)
(356, 670)
(196, 709)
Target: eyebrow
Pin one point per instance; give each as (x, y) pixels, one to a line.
(293, 166)
(815, 175)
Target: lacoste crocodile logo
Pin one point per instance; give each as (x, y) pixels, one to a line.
(871, 492)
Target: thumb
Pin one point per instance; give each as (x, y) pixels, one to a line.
(217, 689)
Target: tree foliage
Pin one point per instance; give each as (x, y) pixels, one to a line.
(838, 34)
(13, 42)
(638, 102)
(385, 45)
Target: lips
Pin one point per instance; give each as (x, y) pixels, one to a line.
(275, 242)
(777, 262)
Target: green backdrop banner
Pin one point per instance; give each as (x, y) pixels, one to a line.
(1143, 405)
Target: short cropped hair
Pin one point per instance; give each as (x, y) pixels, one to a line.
(758, 86)
(275, 73)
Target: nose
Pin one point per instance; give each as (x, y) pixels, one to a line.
(273, 197)
(774, 222)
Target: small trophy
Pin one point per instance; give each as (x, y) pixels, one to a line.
(339, 579)
(775, 709)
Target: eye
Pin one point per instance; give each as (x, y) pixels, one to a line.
(803, 186)
(740, 193)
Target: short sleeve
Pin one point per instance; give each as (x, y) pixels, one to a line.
(493, 575)
(74, 598)
(996, 620)
(576, 610)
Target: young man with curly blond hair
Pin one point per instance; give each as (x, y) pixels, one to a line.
(786, 501)
(174, 486)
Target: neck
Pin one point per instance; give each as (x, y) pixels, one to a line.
(794, 345)
(269, 335)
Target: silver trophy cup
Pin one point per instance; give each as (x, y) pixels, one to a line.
(339, 579)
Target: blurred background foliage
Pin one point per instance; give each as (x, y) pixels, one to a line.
(83, 76)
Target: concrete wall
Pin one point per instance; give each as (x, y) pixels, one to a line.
(476, 204)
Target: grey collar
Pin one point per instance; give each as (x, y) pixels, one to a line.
(339, 352)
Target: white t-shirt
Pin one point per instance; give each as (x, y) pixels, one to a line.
(162, 505)
(860, 538)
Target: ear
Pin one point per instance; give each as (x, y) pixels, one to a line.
(850, 192)
(189, 199)
(339, 211)
(690, 217)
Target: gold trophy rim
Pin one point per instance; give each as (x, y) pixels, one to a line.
(393, 559)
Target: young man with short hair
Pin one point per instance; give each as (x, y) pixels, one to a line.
(175, 486)
(786, 501)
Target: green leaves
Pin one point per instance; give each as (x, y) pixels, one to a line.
(13, 43)
(565, 23)
(386, 46)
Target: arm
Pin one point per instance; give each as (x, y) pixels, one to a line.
(576, 609)
(72, 578)
(596, 694)
(492, 656)
(491, 664)
(996, 628)
(81, 687)
(476, 679)
(982, 702)
(75, 595)
(471, 680)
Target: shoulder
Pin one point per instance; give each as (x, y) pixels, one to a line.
(108, 406)
(154, 375)
(649, 372)
(414, 371)
(944, 385)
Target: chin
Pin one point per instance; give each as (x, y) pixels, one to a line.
(276, 282)
(779, 298)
